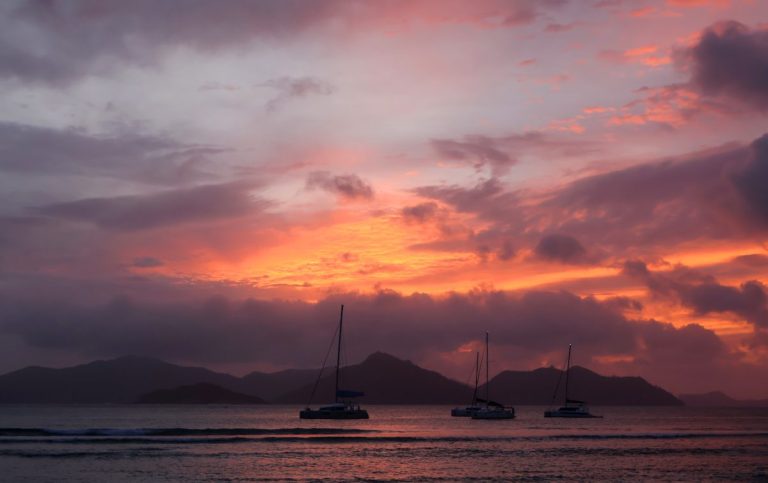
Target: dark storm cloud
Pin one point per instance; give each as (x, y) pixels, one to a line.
(731, 60)
(349, 186)
(57, 41)
(198, 204)
(296, 87)
(561, 248)
(703, 294)
(36, 150)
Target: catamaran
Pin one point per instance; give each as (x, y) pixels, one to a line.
(467, 411)
(492, 409)
(571, 408)
(342, 407)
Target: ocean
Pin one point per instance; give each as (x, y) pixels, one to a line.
(399, 443)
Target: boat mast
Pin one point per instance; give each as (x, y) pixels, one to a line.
(487, 369)
(477, 376)
(338, 354)
(567, 370)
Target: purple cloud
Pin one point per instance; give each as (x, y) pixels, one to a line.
(704, 294)
(731, 60)
(561, 248)
(158, 160)
(349, 186)
(140, 212)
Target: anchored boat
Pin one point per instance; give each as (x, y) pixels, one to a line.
(571, 408)
(342, 407)
(491, 410)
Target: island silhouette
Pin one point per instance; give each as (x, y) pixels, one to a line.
(384, 378)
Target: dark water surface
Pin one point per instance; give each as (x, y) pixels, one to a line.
(398, 443)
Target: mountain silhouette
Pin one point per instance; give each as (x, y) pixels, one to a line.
(720, 399)
(538, 386)
(385, 379)
(272, 385)
(120, 380)
(202, 393)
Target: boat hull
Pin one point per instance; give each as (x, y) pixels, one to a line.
(464, 412)
(320, 414)
(555, 414)
(497, 414)
(569, 412)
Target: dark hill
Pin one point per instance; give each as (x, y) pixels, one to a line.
(272, 385)
(387, 380)
(202, 393)
(720, 399)
(537, 387)
(120, 380)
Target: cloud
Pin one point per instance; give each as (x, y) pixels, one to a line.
(751, 181)
(479, 150)
(667, 201)
(349, 186)
(146, 262)
(33, 150)
(421, 212)
(703, 294)
(139, 212)
(56, 42)
(714, 194)
(501, 153)
(730, 60)
(527, 328)
(295, 87)
(488, 198)
(671, 107)
(728, 69)
(406, 324)
(507, 251)
(752, 260)
(561, 248)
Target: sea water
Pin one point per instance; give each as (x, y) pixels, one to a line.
(398, 443)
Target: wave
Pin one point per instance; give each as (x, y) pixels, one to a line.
(310, 435)
(117, 432)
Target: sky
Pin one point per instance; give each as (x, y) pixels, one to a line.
(206, 182)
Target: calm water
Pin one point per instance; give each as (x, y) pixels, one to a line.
(409, 443)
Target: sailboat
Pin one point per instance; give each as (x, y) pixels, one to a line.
(342, 407)
(467, 411)
(492, 409)
(571, 408)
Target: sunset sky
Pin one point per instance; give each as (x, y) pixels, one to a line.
(205, 182)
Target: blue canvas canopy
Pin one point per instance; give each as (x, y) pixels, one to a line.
(490, 403)
(348, 393)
